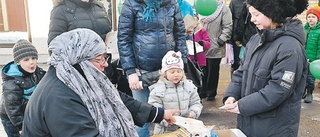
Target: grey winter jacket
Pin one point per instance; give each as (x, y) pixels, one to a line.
(145, 44)
(54, 110)
(167, 95)
(270, 82)
(219, 30)
(16, 91)
(71, 14)
(243, 28)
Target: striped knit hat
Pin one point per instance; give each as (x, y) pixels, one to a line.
(22, 49)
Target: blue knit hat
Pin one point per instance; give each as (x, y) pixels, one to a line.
(23, 49)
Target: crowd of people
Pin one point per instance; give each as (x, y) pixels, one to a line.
(75, 96)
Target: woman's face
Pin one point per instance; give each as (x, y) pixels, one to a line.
(174, 75)
(100, 62)
(260, 20)
(29, 64)
(312, 19)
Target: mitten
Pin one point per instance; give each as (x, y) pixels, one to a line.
(200, 42)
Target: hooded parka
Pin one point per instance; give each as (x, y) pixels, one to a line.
(270, 82)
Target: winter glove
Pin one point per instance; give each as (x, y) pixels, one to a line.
(201, 43)
(220, 42)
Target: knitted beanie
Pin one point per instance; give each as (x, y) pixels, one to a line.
(279, 10)
(314, 10)
(23, 49)
(171, 60)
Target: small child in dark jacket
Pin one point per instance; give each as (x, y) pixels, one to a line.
(20, 78)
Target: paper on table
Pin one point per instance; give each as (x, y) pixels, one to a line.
(193, 126)
(199, 48)
(226, 107)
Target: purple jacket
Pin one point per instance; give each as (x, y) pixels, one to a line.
(203, 36)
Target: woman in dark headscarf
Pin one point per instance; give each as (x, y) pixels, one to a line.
(75, 98)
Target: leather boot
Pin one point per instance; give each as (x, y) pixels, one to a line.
(309, 96)
(304, 94)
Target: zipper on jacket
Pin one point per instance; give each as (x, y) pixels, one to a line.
(178, 98)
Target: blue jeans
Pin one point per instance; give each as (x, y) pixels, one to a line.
(11, 130)
(142, 95)
(310, 82)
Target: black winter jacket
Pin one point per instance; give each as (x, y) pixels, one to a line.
(146, 44)
(73, 14)
(242, 28)
(56, 110)
(270, 82)
(16, 90)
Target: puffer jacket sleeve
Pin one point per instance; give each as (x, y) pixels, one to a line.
(142, 112)
(13, 102)
(157, 92)
(234, 88)
(194, 101)
(58, 23)
(125, 37)
(180, 34)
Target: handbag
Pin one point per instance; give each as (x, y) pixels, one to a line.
(194, 72)
(149, 78)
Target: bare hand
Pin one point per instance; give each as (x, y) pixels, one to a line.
(228, 104)
(234, 108)
(133, 80)
(191, 115)
(238, 43)
(168, 115)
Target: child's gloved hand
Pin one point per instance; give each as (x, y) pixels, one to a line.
(200, 42)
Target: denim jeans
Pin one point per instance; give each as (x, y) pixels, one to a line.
(142, 95)
(11, 130)
(310, 82)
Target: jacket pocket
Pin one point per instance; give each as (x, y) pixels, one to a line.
(261, 76)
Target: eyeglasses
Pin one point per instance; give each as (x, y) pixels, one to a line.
(103, 60)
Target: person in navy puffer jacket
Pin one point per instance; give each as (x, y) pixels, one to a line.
(147, 29)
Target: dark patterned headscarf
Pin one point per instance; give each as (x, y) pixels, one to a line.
(102, 99)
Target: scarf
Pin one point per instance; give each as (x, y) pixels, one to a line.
(102, 99)
(148, 13)
(213, 16)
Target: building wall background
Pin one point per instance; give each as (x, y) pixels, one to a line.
(39, 16)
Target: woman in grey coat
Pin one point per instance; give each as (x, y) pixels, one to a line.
(218, 26)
